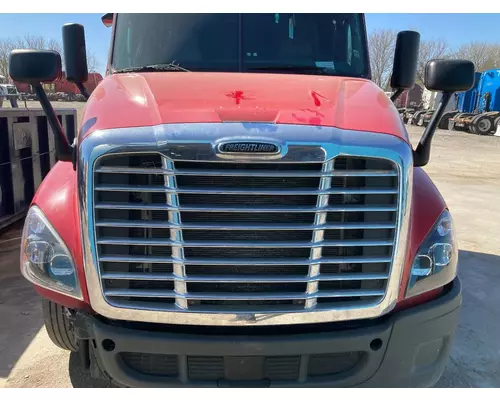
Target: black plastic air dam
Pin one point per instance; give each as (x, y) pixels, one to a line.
(407, 349)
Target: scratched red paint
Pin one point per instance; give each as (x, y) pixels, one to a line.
(316, 96)
(312, 120)
(317, 113)
(237, 95)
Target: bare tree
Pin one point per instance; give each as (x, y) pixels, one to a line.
(484, 55)
(92, 62)
(381, 47)
(429, 50)
(37, 43)
(495, 54)
(26, 42)
(4, 58)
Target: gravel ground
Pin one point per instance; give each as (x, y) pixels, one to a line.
(466, 169)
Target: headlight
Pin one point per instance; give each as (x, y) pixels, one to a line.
(435, 263)
(45, 259)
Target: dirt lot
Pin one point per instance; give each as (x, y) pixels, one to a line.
(466, 169)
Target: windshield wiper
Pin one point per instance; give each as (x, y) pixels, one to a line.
(153, 68)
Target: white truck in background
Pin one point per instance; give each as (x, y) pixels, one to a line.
(8, 91)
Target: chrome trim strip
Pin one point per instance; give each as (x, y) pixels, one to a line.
(286, 192)
(274, 227)
(245, 261)
(293, 312)
(280, 174)
(241, 296)
(195, 142)
(322, 243)
(140, 206)
(139, 276)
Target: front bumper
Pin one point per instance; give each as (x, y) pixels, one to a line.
(406, 349)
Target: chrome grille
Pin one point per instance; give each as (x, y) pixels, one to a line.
(249, 237)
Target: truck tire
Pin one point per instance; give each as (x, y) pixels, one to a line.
(482, 125)
(451, 124)
(414, 118)
(445, 119)
(495, 123)
(420, 121)
(426, 118)
(59, 327)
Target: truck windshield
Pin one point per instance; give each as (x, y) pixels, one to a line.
(333, 44)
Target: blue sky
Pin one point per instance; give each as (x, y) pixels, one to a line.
(454, 28)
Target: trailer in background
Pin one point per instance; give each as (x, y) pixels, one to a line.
(476, 110)
(27, 153)
(449, 112)
(480, 109)
(410, 98)
(467, 100)
(63, 86)
(409, 102)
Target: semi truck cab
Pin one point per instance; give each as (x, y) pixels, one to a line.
(242, 206)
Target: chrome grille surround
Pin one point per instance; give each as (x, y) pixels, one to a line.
(198, 142)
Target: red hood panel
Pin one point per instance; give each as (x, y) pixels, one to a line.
(128, 100)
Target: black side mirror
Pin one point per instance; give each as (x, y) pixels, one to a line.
(449, 75)
(35, 66)
(404, 68)
(75, 55)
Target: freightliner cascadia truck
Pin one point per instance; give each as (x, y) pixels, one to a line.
(242, 207)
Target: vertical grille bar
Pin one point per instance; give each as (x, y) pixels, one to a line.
(148, 233)
(319, 219)
(183, 369)
(304, 362)
(175, 235)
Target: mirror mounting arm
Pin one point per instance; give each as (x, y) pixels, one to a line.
(422, 153)
(83, 90)
(396, 94)
(64, 149)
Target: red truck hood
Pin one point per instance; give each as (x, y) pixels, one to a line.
(130, 100)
